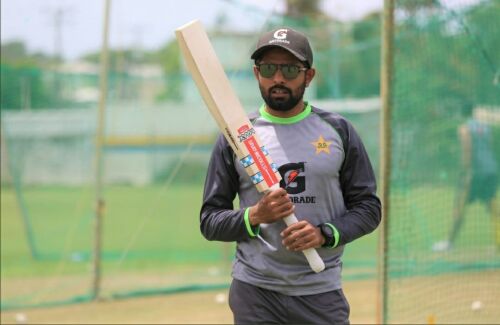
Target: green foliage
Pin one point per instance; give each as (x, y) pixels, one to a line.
(360, 59)
(15, 54)
(169, 59)
(303, 8)
(23, 81)
(23, 87)
(347, 55)
(442, 62)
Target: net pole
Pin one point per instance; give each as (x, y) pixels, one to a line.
(99, 199)
(386, 74)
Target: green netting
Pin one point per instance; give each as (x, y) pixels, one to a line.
(157, 144)
(152, 188)
(446, 77)
(158, 138)
(153, 184)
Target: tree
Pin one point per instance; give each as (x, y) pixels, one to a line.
(308, 16)
(412, 6)
(169, 59)
(301, 8)
(360, 66)
(22, 84)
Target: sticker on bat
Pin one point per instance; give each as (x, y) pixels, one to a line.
(246, 135)
(245, 132)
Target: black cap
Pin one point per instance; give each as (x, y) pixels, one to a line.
(288, 39)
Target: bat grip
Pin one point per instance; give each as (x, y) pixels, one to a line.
(312, 256)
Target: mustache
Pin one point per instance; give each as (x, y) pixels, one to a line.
(280, 87)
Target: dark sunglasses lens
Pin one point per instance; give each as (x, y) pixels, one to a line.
(267, 70)
(290, 71)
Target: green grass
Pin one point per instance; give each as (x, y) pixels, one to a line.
(150, 224)
(144, 228)
(154, 231)
(150, 241)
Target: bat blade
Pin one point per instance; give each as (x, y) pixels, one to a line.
(226, 109)
(224, 105)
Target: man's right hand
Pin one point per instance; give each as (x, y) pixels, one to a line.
(273, 206)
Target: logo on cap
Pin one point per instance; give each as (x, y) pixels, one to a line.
(280, 33)
(280, 36)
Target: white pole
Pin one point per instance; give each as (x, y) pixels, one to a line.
(386, 76)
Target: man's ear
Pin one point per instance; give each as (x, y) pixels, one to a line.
(310, 73)
(256, 72)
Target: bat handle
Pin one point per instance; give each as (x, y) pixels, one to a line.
(312, 256)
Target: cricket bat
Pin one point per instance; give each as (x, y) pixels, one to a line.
(226, 109)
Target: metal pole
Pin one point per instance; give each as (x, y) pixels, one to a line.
(385, 155)
(99, 202)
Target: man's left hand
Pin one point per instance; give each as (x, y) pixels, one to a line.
(302, 235)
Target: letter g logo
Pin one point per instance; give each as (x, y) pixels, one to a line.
(293, 177)
(280, 33)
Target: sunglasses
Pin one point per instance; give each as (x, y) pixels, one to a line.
(289, 71)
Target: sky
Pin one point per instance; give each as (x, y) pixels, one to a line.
(145, 24)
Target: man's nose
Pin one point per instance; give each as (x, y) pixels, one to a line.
(278, 77)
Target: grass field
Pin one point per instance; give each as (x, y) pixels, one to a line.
(208, 307)
(152, 246)
(151, 242)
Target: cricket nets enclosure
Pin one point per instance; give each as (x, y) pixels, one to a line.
(439, 62)
(156, 145)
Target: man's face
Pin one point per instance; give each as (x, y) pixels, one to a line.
(280, 93)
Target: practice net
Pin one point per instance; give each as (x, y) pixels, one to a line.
(443, 247)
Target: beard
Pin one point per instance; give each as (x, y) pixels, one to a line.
(281, 104)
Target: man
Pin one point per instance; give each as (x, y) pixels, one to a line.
(328, 182)
(478, 177)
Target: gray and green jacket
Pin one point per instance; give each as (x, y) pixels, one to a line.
(335, 185)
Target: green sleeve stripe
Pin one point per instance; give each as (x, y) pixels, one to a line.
(252, 231)
(336, 235)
